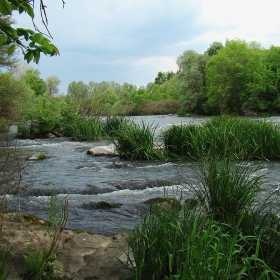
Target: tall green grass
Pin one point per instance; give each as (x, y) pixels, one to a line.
(226, 189)
(136, 141)
(214, 239)
(195, 246)
(224, 137)
(114, 123)
(82, 129)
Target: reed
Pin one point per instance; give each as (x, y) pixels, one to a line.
(194, 246)
(114, 123)
(225, 189)
(200, 242)
(82, 129)
(224, 137)
(136, 141)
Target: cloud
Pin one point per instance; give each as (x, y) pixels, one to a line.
(131, 41)
(250, 20)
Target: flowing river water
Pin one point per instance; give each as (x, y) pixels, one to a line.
(89, 181)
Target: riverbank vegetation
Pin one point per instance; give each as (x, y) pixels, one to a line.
(224, 137)
(227, 234)
(200, 86)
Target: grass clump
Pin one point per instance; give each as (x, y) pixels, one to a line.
(213, 239)
(4, 257)
(226, 190)
(114, 123)
(136, 141)
(82, 129)
(224, 137)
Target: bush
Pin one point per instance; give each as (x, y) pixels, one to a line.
(44, 116)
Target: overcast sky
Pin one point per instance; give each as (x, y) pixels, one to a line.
(132, 40)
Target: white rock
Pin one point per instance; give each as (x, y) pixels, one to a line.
(103, 151)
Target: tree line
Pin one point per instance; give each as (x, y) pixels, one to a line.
(239, 78)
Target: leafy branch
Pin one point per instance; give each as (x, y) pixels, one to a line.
(32, 43)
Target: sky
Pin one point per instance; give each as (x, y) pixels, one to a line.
(132, 40)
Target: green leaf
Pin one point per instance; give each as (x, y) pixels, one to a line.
(31, 32)
(20, 9)
(29, 10)
(36, 57)
(13, 33)
(5, 7)
(11, 49)
(28, 56)
(3, 40)
(38, 38)
(45, 43)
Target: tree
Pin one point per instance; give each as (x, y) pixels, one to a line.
(239, 79)
(32, 43)
(37, 84)
(214, 48)
(52, 85)
(191, 80)
(12, 93)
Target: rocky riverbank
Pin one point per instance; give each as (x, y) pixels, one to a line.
(81, 255)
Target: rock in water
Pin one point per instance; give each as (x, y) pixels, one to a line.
(103, 151)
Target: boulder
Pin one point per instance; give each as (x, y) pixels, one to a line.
(38, 156)
(80, 255)
(103, 151)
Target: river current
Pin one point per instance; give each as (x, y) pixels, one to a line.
(89, 181)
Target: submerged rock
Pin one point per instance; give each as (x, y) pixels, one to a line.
(163, 203)
(103, 151)
(141, 185)
(101, 205)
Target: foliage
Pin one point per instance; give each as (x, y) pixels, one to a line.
(113, 123)
(43, 116)
(39, 262)
(52, 85)
(34, 261)
(214, 48)
(6, 61)
(136, 141)
(161, 107)
(192, 80)
(224, 137)
(4, 257)
(32, 78)
(82, 129)
(239, 79)
(163, 77)
(226, 190)
(192, 244)
(36, 42)
(12, 92)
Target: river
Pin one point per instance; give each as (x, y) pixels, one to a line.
(86, 180)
